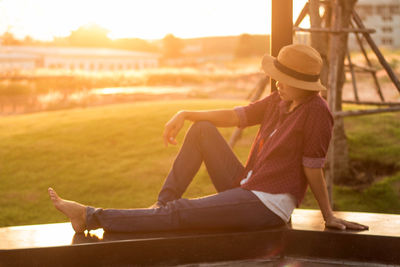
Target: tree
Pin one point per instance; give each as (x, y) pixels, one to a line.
(244, 46)
(28, 40)
(251, 45)
(8, 39)
(135, 44)
(90, 35)
(172, 46)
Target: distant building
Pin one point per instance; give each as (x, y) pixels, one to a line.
(198, 51)
(72, 58)
(17, 61)
(384, 17)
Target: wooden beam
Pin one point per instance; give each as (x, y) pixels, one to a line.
(371, 103)
(370, 68)
(353, 75)
(334, 45)
(349, 113)
(281, 27)
(338, 153)
(360, 68)
(360, 43)
(344, 30)
(325, 2)
(378, 54)
(302, 15)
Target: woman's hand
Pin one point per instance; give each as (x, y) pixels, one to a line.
(172, 128)
(316, 180)
(337, 223)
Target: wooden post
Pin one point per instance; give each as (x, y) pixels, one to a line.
(302, 15)
(378, 53)
(338, 150)
(332, 84)
(281, 28)
(371, 70)
(353, 75)
(320, 41)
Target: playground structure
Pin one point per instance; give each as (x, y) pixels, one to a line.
(57, 245)
(329, 35)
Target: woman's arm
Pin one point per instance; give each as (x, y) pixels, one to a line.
(316, 180)
(220, 118)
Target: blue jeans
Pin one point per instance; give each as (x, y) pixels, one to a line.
(231, 208)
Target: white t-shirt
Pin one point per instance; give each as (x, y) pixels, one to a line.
(280, 204)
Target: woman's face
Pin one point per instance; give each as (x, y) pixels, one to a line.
(290, 93)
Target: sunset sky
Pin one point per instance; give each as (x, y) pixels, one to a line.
(147, 19)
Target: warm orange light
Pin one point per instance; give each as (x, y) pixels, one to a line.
(150, 19)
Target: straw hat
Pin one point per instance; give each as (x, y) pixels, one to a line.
(296, 65)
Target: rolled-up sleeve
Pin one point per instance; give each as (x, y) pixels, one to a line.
(317, 136)
(253, 113)
(242, 116)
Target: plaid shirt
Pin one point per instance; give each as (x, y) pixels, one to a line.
(286, 141)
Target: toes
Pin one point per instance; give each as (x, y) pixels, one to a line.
(50, 190)
(53, 193)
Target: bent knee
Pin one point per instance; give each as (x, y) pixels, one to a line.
(201, 129)
(202, 125)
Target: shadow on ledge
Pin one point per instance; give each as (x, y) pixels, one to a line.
(306, 237)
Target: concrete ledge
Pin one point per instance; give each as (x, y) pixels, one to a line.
(308, 237)
(57, 245)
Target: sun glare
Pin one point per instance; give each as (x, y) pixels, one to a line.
(150, 19)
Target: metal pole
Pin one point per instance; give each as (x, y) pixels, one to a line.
(281, 28)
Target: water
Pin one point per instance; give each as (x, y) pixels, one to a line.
(155, 90)
(113, 91)
(59, 100)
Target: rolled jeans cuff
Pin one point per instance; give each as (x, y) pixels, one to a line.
(92, 222)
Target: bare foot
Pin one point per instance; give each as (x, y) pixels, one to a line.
(74, 211)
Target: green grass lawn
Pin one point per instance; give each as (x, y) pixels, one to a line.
(113, 156)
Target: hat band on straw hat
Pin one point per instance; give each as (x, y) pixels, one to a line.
(295, 74)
